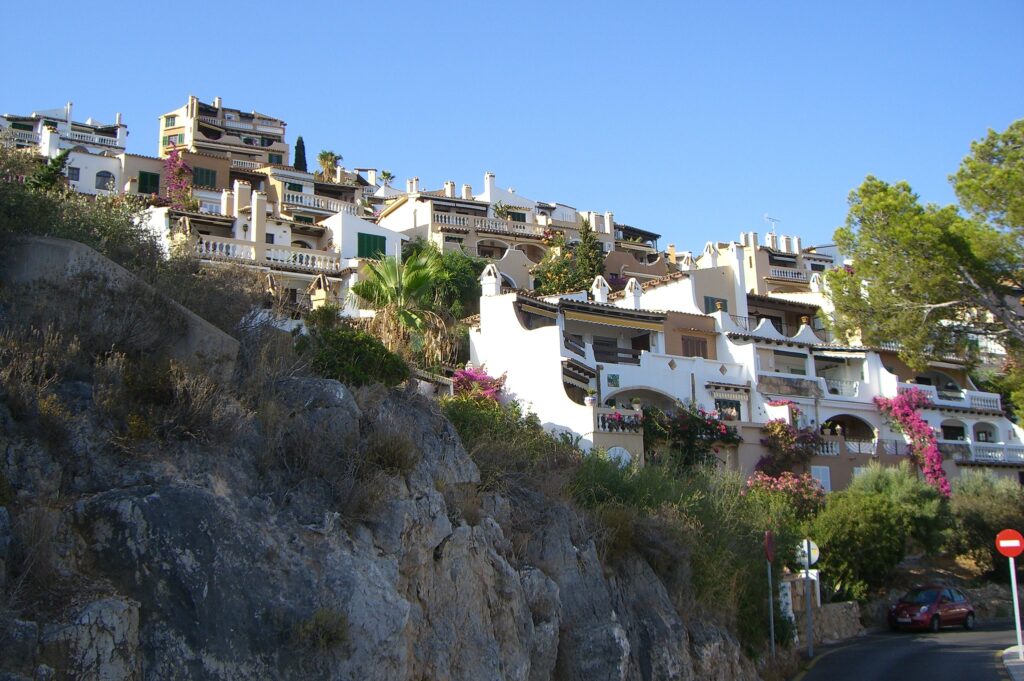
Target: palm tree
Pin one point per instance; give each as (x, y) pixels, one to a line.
(386, 177)
(402, 294)
(328, 161)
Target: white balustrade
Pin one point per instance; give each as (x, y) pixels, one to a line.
(842, 387)
(451, 219)
(93, 139)
(25, 136)
(246, 165)
(237, 125)
(788, 274)
(212, 247)
(984, 401)
(304, 258)
(319, 202)
(211, 119)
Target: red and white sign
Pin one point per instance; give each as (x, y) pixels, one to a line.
(1010, 543)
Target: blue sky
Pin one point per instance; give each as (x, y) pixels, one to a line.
(691, 119)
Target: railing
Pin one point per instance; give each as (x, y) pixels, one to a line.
(319, 202)
(25, 136)
(750, 323)
(573, 346)
(218, 248)
(452, 220)
(829, 447)
(854, 446)
(894, 447)
(954, 448)
(788, 274)
(93, 139)
(211, 119)
(247, 165)
(996, 453)
(619, 420)
(238, 125)
(617, 355)
(984, 401)
(958, 398)
(837, 445)
(305, 259)
(844, 388)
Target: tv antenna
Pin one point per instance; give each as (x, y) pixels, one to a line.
(771, 221)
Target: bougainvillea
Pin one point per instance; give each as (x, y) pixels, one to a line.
(179, 181)
(787, 446)
(903, 414)
(477, 383)
(804, 492)
(692, 434)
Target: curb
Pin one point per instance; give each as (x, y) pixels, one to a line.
(1013, 664)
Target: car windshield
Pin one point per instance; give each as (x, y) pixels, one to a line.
(920, 596)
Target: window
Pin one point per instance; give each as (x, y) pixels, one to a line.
(73, 173)
(953, 433)
(174, 139)
(204, 177)
(709, 304)
(305, 219)
(823, 474)
(149, 183)
(370, 245)
(22, 126)
(695, 347)
(815, 267)
(104, 180)
(169, 121)
(276, 158)
(517, 217)
(269, 238)
(209, 207)
(729, 410)
(293, 186)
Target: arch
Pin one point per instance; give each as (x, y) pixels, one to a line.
(534, 252)
(508, 281)
(491, 248)
(104, 180)
(620, 455)
(298, 243)
(941, 380)
(985, 432)
(849, 426)
(953, 429)
(649, 397)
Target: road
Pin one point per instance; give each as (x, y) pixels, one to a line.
(950, 655)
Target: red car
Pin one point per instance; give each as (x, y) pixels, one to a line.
(931, 607)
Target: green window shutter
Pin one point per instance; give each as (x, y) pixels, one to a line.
(294, 187)
(276, 158)
(709, 304)
(181, 138)
(370, 245)
(22, 126)
(204, 177)
(149, 183)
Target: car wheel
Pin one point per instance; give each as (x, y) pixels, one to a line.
(935, 624)
(969, 621)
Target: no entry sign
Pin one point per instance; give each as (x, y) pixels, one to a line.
(1010, 543)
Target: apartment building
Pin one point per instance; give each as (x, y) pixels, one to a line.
(514, 231)
(249, 139)
(91, 136)
(705, 334)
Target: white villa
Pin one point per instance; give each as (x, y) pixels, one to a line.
(733, 330)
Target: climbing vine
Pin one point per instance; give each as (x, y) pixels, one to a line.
(903, 414)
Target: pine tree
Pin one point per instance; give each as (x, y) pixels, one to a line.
(51, 175)
(589, 256)
(300, 154)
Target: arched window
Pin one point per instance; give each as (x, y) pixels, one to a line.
(104, 180)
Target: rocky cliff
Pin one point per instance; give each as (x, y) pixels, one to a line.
(180, 560)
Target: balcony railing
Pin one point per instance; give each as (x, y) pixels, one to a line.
(304, 259)
(617, 355)
(93, 139)
(494, 225)
(837, 445)
(574, 346)
(972, 399)
(246, 165)
(286, 257)
(996, 453)
(25, 136)
(788, 274)
(619, 420)
(750, 323)
(320, 203)
(211, 119)
(218, 248)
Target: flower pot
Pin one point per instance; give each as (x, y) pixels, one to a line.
(590, 400)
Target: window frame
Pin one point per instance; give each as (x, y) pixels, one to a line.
(148, 176)
(109, 185)
(74, 173)
(208, 175)
(366, 244)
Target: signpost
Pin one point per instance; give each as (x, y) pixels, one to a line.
(1010, 543)
(808, 554)
(769, 554)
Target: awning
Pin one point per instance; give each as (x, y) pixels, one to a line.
(609, 320)
(839, 354)
(729, 395)
(550, 314)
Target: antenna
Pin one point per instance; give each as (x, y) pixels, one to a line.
(771, 221)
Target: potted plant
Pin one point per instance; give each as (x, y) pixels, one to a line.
(591, 399)
(636, 403)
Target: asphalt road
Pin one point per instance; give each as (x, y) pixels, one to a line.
(950, 655)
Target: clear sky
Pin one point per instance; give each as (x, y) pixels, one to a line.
(691, 119)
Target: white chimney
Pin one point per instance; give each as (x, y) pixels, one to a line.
(769, 240)
(408, 186)
(609, 222)
(488, 184)
(599, 289)
(490, 281)
(796, 245)
(753, 239)
(117, 118)
(371, 177)
(633, 293)
(467, 191)
(449, 189)
(784, 244)
(216, 102)
(415, 185)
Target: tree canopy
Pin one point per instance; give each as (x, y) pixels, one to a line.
(934, 278)
(568, 268)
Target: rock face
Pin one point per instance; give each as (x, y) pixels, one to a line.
(181, 562)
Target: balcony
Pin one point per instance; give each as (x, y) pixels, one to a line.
(611, 355)
(320, 203)
(487, 225)
(24, 136)
(841, 387)
(86, 138)
(789, 385)
(278, 257)
(788, 274)
(965, 399)
(246, 165)
(992, 453)
(837, 445)
(618, 420)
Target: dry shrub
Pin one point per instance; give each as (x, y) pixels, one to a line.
(223, 294)
(464, 502)
(265, 356)
(390, 451)
(34, 564)
(325, 629)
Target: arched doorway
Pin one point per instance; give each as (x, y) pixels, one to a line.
(985, 432)
(954, 429)
(849, 426)
(491, 248)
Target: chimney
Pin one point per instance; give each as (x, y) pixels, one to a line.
(408, 186)
(609, 222)
(769, 240)
(784, 244)
(467, 191)
(258, 225)
(671, 250)
(633, 293)
(371, 176)
(753, 239)
(488, 184)
(117, 118)
(338, 171)
(599, 289)
(415, 185)
(449, 189)
(243, 194)
(490, 281)
(217, 103)
(67, 112)
(796, 245)
(227, 202)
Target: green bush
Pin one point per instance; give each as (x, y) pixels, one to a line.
(353, 357)
(862, 538)
(982, 505)
(325, 629)
(923, 509)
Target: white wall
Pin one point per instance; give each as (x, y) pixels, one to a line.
(345, 230)
(90, 164)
